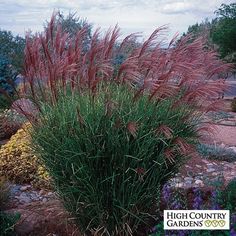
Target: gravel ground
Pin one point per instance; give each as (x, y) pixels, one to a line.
(224, 134)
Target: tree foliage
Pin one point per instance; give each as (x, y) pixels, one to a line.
(224, 32)
(203, 30)
(220, 32)
(7, 73)
(12, 48)
(11, 63)
(226, 11)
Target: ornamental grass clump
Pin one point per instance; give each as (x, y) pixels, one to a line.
(109, 155)
(110, 135)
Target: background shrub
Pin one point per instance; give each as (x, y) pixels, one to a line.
(12, 48)
(216, 152)
(11, 121)
(19, 164)
(7, 79)
(11, 65)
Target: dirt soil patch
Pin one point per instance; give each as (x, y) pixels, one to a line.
(224, 134)
(44, 219)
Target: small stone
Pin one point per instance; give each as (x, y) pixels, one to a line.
(50, 193)
(24, 188)
(198, 177)
(210, 170)
(44, 200)
(23, 198)
(177, 179)
(188, 179)
(41, 192)
(230, 165)
(233, 149)
(179, 185)
(215, 174)
(205, 161)
(34, 197)
(210, 164)
(222, 145)
(187, 166)
(15, 190)
(199, 183)
(188, 184)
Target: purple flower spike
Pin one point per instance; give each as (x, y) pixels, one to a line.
(214, 194)
(176, 205)
(233, 219)
(215, 204)
(166, 191)
(181, 233)
(197, 201)
(232, 232)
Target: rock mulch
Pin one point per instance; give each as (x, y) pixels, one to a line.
(23, 194)
(204, 173)
(196, 173)
(42, 212)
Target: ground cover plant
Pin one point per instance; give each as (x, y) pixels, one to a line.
(112, 135)
(18, 162)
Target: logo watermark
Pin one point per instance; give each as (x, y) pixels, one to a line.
(197, 219)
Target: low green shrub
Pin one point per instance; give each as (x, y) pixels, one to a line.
(7, 223)
(220, 115)
(4, 102)
(216, 152)
(109, 155)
